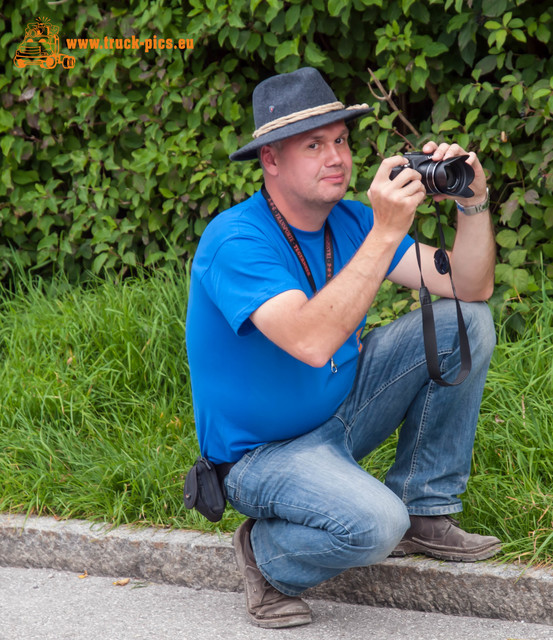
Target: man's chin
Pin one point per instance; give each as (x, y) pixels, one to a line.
(335, 194)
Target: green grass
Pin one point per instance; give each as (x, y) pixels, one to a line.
(96, 419)
(95, 411)
(511, 488)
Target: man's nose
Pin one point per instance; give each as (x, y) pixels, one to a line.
(333, 155)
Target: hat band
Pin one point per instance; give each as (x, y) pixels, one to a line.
(302, 115)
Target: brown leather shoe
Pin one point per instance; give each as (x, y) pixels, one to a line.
(441, 537)
(267, 606)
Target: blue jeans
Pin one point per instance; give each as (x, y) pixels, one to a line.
(318, 513)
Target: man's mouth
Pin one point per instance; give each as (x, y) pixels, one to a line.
(334, 178)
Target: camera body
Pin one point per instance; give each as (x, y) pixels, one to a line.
(450, 177)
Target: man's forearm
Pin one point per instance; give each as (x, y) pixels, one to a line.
(336, 310)
(312, 330)
(473, 256)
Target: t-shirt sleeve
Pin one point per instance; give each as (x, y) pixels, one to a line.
(400, 252)
(243, 274)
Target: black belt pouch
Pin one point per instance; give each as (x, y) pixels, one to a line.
(203, 491)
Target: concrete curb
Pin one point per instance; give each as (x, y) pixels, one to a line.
(197, 560)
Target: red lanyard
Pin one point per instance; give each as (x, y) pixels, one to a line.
(293, 242)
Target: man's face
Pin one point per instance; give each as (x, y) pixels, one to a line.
(315, 167)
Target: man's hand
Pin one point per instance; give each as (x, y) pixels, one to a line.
(478, 185)
(394, 202)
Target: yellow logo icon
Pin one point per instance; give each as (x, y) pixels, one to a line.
(41, 47)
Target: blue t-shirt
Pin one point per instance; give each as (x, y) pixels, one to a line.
(247, 391)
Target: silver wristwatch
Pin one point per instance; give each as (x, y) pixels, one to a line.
(475, 208)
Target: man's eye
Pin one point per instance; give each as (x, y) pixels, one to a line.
(314, 145)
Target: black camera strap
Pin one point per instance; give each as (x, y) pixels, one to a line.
(443, 266)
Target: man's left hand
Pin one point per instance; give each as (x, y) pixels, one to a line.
(445, 151)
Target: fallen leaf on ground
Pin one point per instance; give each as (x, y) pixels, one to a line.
(122, 582)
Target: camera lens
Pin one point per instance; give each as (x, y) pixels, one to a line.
(450, 177)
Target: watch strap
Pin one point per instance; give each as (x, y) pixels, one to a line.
(473, 209)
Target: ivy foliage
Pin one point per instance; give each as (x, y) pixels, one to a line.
(122, 160)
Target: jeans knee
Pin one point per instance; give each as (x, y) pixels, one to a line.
(382, 532)
(395, 526)
(480, 327)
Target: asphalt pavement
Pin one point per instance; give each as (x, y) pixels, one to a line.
(42, 604)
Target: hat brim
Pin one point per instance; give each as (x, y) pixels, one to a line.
(249, 151)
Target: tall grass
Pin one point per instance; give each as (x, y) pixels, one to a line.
(511, 488)
(96, 418)
(95, 409)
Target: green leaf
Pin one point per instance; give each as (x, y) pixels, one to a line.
(518, 92)
(270, 39)
(494, 7)
(199, 226)
(292, 17)
(541, 93)
(500, 37)
(487, 64)
(419, 77)
(313, 55)
(306, 20)
(543, 33)
(381, 142)
(48, 242)
(153, 258)
(129, 257)
(440, 110)
(285, 49)
(24, 177)
(335, 7)
(507, 18)
(434, 49)
(506, 238)
(429, 227)
(517, 257)
(449, 125)
(472, 115)
(521, 280)
(7, 121)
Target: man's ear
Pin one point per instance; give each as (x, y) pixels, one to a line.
(268, 158)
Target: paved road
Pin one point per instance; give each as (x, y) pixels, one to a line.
(42, 604)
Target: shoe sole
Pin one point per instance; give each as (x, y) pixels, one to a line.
(412, 548)
(281, 624)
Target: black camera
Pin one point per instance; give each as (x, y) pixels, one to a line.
(449, 177)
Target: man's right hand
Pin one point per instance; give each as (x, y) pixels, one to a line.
(394, 202)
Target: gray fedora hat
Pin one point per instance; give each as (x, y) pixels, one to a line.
(293, 103)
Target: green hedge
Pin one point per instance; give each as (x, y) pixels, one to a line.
(123, 159)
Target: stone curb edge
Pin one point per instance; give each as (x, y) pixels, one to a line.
(199, 560)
